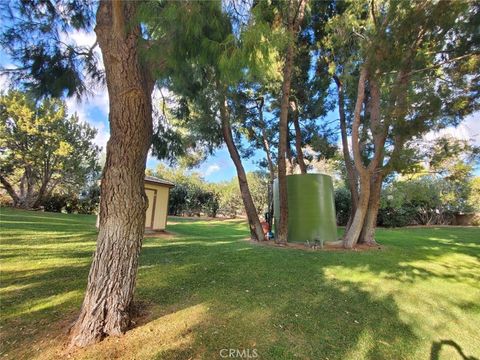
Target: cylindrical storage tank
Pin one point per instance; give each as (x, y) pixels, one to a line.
(311, 208)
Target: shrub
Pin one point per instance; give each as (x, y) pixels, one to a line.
(5, 200)
(343, 203)
(54, 202)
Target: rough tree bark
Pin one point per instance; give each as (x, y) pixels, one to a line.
(111, 281)
(256, 230)
(298, 138)
(292, 30)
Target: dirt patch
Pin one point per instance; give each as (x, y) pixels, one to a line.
(326, 247)
(141, 313)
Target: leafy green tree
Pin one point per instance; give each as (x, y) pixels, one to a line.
(474, 196)
(415, 69)
(192, 195)
(230, 197)
(208, 67)
(42, 149)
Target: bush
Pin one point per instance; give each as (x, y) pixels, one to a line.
(343, 203)
(190, 199)
(54, 202)
(69, 203)
(5, 200)
(396, 217)
(89, 200)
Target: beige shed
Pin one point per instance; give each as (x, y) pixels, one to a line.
(158, 191)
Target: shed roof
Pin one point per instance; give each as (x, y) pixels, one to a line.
(155, 180)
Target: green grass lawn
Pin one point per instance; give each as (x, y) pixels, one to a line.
(207, 289)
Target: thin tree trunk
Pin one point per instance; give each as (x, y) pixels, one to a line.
(271, 168)
(298, 139)
(107, 305)
(352, 176)
(266, 148)
(289, 156)
(293, 24)
(351, 236)
(256, 230)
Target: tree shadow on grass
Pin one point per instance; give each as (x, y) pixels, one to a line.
(437, 347)
(282, 303)
(286, 314)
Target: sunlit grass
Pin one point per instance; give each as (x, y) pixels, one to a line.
(206, 289)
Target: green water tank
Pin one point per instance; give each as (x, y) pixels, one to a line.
(311, 208)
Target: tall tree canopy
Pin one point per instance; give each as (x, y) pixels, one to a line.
(412, 68)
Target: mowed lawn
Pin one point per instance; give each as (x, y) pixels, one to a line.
(205, 289)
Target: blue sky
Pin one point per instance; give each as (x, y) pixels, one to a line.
(219, 167)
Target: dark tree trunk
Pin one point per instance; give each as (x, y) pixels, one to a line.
(111, 282)
(256, 230)
(298, 140)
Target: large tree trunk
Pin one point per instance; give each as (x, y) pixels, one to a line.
(256, 230)
(370, 177)
(111, 282)
(298, 139)
(368, 232)
(352, 235)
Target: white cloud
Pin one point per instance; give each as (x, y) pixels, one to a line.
(469, 129)
(84, 109)
(94, 107)
(212, 169)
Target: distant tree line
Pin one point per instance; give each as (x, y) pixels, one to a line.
(193, 196)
